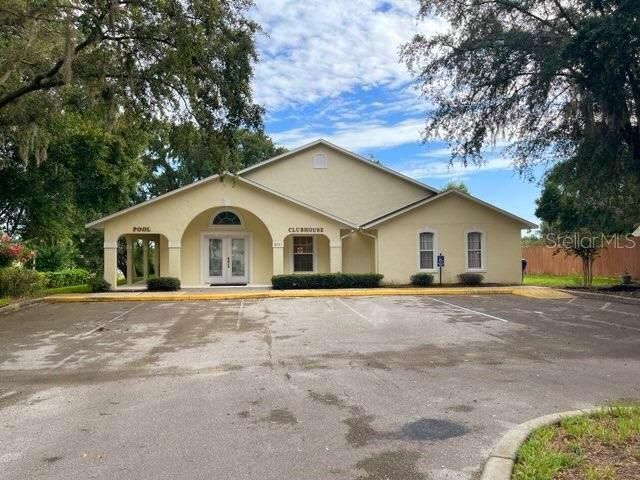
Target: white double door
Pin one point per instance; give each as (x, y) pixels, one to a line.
(226, 258)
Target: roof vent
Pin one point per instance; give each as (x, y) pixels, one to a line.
(320, 161)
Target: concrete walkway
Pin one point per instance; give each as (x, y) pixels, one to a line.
(248, 293)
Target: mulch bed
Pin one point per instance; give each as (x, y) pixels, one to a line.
(632, 290)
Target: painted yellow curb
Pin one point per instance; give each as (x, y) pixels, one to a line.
(532, 292)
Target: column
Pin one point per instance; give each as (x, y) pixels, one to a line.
(174, 258)
(129, 259)
(145, 259)
(335, 256)
(278, 257)
(163, 253)
(156, 252)
(111, 263)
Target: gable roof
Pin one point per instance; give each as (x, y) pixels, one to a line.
(407, 208)
(210, 178)
(349, 154)
(97, 223)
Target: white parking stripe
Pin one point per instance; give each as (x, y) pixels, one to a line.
(118, 317)
(352, 309)
(469, 310)
(240, 311)
(605, 306)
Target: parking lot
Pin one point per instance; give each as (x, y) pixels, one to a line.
(391, 388)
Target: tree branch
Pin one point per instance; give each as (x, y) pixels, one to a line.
(47, 80)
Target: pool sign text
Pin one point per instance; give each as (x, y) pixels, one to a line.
(141, 229)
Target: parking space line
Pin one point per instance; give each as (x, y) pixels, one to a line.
(350, 308)
(118, 317)
(606, 308)
(469, 310)
(240, 310)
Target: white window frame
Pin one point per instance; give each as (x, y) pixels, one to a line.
(226, 227)
(435, 250)
(315, 255)
(483, 250)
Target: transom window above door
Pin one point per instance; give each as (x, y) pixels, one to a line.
(226, 217)
(303, 254)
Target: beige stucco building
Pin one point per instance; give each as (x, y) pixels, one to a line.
(318, 208)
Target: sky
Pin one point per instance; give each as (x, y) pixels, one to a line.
(331, 69)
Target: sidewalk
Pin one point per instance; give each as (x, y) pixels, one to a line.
(252, 293)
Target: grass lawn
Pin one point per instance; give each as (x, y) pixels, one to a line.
(602, 446)
(71, 289)
(567, 281)
(49, 291)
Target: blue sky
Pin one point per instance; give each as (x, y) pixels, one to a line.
(331, 69)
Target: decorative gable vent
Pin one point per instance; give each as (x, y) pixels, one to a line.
(320, 161)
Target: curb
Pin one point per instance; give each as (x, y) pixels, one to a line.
(533, 292)
(14, 307)
(502, 458)
(602, 296)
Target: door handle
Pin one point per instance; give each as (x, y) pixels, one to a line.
(228, 264)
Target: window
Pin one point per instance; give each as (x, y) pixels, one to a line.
(303, 254)
(320, 161)
(426, 250)
(474, 251)
(226, 218)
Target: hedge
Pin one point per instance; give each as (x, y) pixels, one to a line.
(163, 284)
(470, 278)
(326, 280)
(18, 282)
(422, 279)
(66, 278)
(97, 283)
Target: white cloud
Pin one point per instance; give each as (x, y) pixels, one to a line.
(443, 169)
(319, 49)
(356, 136)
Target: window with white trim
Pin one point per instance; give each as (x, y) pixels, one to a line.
(303, 254)
(474, 251)
(427, 250)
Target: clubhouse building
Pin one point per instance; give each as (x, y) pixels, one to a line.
(318, 208)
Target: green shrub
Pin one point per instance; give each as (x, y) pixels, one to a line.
(97, 283)
(326, 280)
(18, 282)
(422, 279)
(163, 284)
(470, 278)
(55, 256)
(66, 278)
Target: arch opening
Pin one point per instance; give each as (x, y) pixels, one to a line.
(226, 246)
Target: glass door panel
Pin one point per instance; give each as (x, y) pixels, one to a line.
(215, 259)
(237, 257)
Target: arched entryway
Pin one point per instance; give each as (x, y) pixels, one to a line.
(226, 246)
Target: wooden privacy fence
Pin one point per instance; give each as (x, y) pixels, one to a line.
(613, 261)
